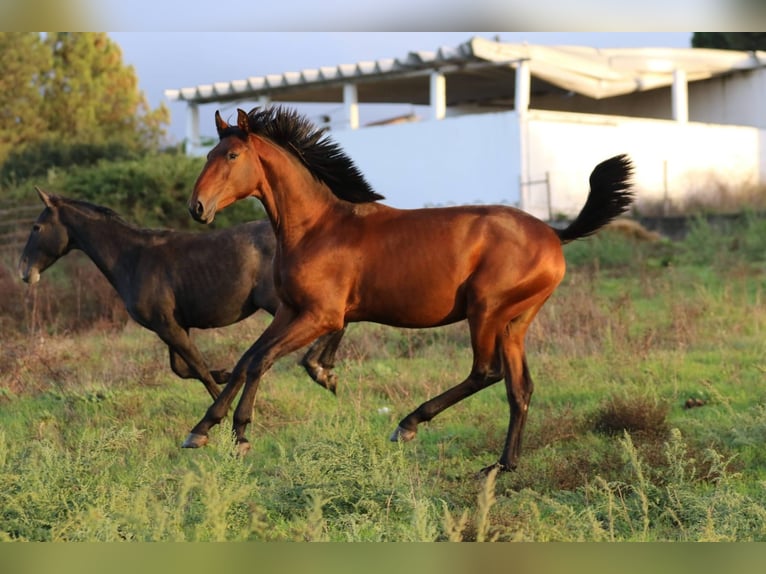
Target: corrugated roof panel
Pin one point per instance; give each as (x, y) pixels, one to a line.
(347, 70)
(329, 73)
(239, 86)
(310, 76)
(256, 82)
(292, 78)
(222, 88)
(366, 67)
(205, 90)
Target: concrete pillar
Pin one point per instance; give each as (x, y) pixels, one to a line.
(438, 91)
(351, 103)
(521, 106)
(192, 128)
(680, 95)
(523, 86)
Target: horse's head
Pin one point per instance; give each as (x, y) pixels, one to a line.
(232, 171)
(48, 240)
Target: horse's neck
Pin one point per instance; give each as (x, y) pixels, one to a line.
(293, 199)
(104, 240)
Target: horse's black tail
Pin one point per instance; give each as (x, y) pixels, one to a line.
(610, 195)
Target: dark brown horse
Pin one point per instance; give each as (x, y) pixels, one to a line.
(172, 281)
(343, 257)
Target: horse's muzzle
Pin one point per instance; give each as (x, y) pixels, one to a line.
(29, 274)
(197, 211)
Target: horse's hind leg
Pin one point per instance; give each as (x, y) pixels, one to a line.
(186, 360)
(320, 359)
(518, 385)
(487, 370)
(183, 370)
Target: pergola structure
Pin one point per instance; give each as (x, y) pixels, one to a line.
(478, 72)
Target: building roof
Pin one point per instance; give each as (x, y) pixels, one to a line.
(480, 70)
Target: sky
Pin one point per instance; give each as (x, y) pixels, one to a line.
(164, 60)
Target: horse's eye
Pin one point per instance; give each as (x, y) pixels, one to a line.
(36, 228)
(233, 155)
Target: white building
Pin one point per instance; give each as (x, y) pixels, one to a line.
(491, 122)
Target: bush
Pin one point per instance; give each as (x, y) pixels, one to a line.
(39, 159)
(149, 191)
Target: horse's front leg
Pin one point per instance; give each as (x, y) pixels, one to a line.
(288, 332)
(215, 412)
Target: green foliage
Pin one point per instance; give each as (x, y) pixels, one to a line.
(43, 158)
(24, 62)
(730, 40)
(71, 89)
(149, 191)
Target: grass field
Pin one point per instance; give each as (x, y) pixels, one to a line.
(91, 421)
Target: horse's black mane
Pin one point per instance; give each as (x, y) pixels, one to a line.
(323, 157)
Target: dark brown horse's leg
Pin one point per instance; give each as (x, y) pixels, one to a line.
(183, 370)
(185, 359)
(320, 359)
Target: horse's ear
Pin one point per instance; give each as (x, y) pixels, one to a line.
(242, 122)
(46, 199)
(220, 124)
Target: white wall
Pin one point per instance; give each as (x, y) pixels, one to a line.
(734, 99)
(461, 160)
(478, 158)
(672, 160)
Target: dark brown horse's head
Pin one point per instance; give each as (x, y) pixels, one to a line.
(47, 241)
(230, 174)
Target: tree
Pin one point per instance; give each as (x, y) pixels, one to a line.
(24, 64)
(91, 97)
(70, 90)
(730, 40)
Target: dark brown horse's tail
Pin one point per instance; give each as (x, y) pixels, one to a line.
(610, 195)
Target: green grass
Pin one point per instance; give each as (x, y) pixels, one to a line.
(91, 423)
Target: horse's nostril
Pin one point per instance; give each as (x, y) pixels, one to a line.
(196, 209)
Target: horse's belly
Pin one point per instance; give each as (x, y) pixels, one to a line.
(417, 308)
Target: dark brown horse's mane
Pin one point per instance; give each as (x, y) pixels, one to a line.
(82, 205)
(103, 213)
(323, 157)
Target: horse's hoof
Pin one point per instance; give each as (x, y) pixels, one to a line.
(499, 467)
(195, 440)
(243, 447)
(402, 435)
(332, 383)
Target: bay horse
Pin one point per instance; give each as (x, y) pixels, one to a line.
(343, 257)
(172, 281)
